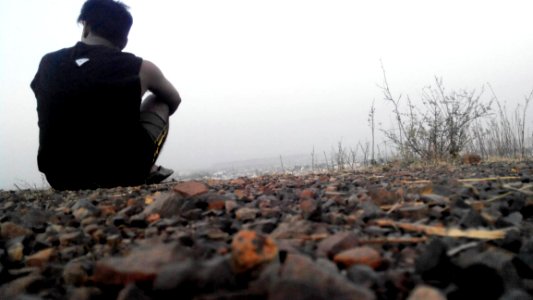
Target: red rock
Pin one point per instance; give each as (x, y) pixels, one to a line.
(424, 292)
(381, 196)
(217, 204)
(107, 210)
(361, 255)
(41, 258)
(310, 209)
(9, 230)
(307, 193)
(153, 218)
(240, 194)
(237, 181)
(250, 249)
(191, 188)
(336, 243)
(142, 264)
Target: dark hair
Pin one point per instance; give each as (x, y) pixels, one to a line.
(108, 19)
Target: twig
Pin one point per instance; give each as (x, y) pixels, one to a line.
(488, 179)
(399, 240)
(461, 248)
(422, 181)
(496, 198)
(523, 190)
(440, 231)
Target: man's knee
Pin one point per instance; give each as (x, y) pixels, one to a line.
(152, 104)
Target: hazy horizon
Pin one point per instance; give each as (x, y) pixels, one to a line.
(264, 79)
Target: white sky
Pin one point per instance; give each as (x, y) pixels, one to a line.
(269, 78)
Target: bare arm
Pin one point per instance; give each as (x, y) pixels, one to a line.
(153, 80)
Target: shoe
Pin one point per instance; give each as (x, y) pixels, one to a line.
(159, 174)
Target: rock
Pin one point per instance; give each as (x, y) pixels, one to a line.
(382, 196)
(178, 275)
(230, 206)
(250, 249)
(362, 275)
(132, 292)
(488, 284)
(246, 214)
(216, 204)
(76, 272)
(310, 209)
(514, 219)
(14, 289)
(41, 258)
(332, 245)
(84, 208)
(217, 274)
(423, 292)
(238, 182)
(292, 229)
(191, 188)
(15, 249)
(9, 230)
(299, 278)
(71, 238)
(360, 255)
(142, 264)
(165, 205)
(413, 212)
(84, 293)
(433, 264)
(370, 210)
(307, 193)
(516, 294)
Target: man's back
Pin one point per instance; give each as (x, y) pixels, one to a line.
(88, 100)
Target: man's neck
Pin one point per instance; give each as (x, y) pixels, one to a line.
(95, 40)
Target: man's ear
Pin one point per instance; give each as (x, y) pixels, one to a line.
(86, 30)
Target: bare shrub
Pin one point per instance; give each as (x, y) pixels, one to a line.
(439, 127)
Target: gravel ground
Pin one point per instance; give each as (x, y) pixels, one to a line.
(448, 232)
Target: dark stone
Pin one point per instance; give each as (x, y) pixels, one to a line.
(132, 292)
(362, 275)
(513, 219)
(433, 264)
(177, 276)
(516, 294)
(472, 219)
(487, 284)
(142, 264)
(298, 277)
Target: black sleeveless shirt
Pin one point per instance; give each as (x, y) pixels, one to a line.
(88, 101)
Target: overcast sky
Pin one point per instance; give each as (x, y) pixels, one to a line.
(268, 78)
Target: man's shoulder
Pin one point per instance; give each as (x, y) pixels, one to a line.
(55, 55)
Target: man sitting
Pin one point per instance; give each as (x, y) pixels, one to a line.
(95, 129)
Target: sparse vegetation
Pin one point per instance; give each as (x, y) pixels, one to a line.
(437, 128)
(502, 135)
